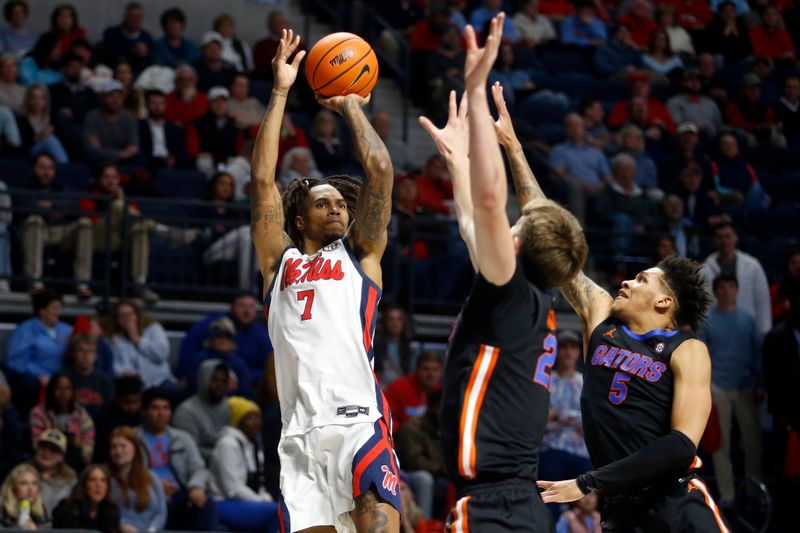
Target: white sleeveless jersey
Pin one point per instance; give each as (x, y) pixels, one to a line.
(321, 311)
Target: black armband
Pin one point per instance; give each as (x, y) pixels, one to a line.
(672, 453)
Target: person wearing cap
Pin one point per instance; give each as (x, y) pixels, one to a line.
(214, 136)
(205, 414)
(564, 454)
(57, 478)
(221, 345)
(211, 69)
(748, 112)
(110, 132)
(690, 104)
(173, 48)
(129, 39)
(238, 471)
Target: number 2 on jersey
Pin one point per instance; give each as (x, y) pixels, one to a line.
(546, 361)
(308, 296)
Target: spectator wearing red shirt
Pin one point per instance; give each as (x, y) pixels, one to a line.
(639, 20)
(692, 14)
(185, 103)
(291, 137)
(770, 40)
(264, 50)
(434, 186)
(64, 25)
(408, 396)
(426, 34)
(748, 111)
(657, 113)
(556, 9)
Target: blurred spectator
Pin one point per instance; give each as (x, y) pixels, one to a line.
(264, 50)
(770, 40)
(125, 409)
(735, 180)
(176, 461)
(639, 20)
(734, 343)
(655, 113)
(564, 454)
(392, 346)
(206, 413)
(129, 40)
(93, 387)
(787, 110)
(411, 517)
(57, 478)
(140, 346)
(753, 293)
(427, 33)
(16, 39)
(679, 227)
(37, 133)
(619, 58)
(679, 39)
(95, 326)
(132, 97)
(408, 396)
(582, 166)
(41, 63)
(405, 208)
(173, 48)
(212, 70)
(597, 134)
(486, 12)
(111, 133)
(298, 163)
(90, 505)
(213, 138)
(398, 150)
(660, 57)
(687, 151)
(247, 111)
(714, 84)
(741, 5)
(12, 94)
(401, 16)
(291, 137)
(6, 216)
(185, 103)
(581, 517)
(692, 14)
(506, 71)
(631, 142)
(220, 345)
(532, 27)
(21, 500)
(779, 291)
(35, 349)
(64, 24)
(727, 35)
(252, 340)
(748, 111)
(442, 69)
(326, 144)
(691, 105)
(583, 28)
(235, 50)
(163, 144)
(556, 10)
(434, 188)
(664, 247)
(238, 477)
(60, 410)
(136, 490)
(624, 207)
(70, 101)
(419, 448)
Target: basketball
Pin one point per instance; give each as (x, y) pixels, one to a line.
(341, 64)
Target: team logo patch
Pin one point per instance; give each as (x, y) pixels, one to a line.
(610, 333)
(389, 480)
(332, 246)
(659, 347)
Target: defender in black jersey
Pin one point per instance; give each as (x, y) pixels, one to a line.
(495, 398)
(647, 393)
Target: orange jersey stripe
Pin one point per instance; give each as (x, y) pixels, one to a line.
(473, 399)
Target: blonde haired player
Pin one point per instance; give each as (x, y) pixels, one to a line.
(322, 287)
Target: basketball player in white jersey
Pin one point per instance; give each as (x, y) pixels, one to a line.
(319, 252)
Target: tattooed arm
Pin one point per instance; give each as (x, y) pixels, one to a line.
(368, 233)
(590, 301)
(266, 207)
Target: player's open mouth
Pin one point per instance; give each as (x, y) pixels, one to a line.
(621, 294)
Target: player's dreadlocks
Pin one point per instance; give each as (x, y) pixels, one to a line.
(296, 195)
(683, 278)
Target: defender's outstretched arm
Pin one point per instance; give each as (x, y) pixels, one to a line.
(266, 207)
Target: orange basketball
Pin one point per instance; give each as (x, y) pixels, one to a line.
(341, 64)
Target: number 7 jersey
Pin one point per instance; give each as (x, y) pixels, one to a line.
(321, 311)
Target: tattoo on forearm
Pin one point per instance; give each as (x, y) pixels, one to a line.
(373, 213)
(273, 216)
(579, 291)
(366, 140)
(524, 181)
(273, 101)
(368, 506)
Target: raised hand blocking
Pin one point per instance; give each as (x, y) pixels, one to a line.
(502, 126)
(285, 73)
(480, 60)
(452, 141)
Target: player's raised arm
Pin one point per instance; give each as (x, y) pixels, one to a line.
(452, 141)
(590, 301)
(368, 234)
(494, 247)
(266, 207)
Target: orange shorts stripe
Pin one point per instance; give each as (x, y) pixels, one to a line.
(461, 516)
(696, 484)
(473, 399)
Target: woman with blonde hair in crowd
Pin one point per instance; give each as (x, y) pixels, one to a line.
(21, 500)
(137, 491)
(35, 129)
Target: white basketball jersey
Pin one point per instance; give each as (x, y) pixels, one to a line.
(321, 312)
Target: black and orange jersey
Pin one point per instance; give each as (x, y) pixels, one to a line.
(627, 390)
(496, 384)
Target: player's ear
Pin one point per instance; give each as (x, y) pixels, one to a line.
(517, 244)
(299, 223)
(664, 303)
